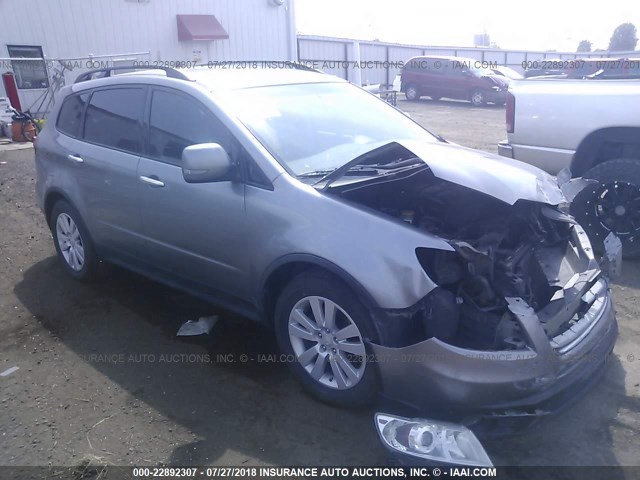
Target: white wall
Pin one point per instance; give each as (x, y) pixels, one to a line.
(258, 30)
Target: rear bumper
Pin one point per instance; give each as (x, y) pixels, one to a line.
(551, 160)
(505, 150)
(434, 376)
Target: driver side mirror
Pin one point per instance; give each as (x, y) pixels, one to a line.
(205, 163)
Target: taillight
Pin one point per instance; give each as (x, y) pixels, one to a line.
(511, 112)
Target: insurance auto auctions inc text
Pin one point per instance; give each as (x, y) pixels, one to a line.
(372, 472)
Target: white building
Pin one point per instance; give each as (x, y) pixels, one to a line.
(83, 33)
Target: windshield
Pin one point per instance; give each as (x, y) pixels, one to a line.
(320, 127)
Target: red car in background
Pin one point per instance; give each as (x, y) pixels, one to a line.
(453, 77)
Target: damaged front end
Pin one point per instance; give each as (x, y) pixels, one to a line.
(534, 258)
(521, 310)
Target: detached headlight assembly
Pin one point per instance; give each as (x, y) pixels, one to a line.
(431, 440)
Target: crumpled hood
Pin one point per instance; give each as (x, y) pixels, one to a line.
(506, 180)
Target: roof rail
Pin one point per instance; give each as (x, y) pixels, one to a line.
(171, 72)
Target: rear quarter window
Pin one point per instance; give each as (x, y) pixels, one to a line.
(70, 116)
(418, 65)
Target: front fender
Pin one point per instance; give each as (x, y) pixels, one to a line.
(376, 251)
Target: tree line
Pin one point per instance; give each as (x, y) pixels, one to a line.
(624, 39)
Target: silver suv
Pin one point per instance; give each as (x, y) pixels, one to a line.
(386, 259)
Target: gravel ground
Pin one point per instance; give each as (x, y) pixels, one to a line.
(102, 374)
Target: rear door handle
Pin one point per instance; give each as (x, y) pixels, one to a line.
(154, 182)
(75, 158)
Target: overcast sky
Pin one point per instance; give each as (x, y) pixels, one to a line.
(513, 24)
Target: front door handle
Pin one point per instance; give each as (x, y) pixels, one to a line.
(75, 158)
(154, 182)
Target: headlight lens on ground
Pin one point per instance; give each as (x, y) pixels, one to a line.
(431, 440)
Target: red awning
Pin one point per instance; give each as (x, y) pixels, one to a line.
(200, 27)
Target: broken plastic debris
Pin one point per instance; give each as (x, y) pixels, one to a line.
(8, 371)
(612, 260)
(202, 326)
(563, 176)
(573, 187)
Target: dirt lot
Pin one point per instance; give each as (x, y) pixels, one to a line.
(459, 122)
(102, 373)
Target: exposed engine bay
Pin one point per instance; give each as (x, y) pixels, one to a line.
(527, 251)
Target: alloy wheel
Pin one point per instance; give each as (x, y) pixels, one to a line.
(477, 98)
(412, 93)
(70, 242)
(327, 343)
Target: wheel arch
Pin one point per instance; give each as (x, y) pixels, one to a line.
(281, 271)
(593, 151)
(52, 197)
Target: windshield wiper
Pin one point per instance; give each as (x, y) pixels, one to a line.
(392, 165)
(355, 170)
(316, 173)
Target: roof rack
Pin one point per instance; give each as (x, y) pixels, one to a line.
(171, 72)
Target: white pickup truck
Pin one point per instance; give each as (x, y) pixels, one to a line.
(593, 128)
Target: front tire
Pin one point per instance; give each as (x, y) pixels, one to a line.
(612, 206)
(73, 244)
(323, 328)
(477, 98)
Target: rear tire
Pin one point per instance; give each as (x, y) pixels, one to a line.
(73, 244)
(612, 206)
(412, 93)
(327, 352)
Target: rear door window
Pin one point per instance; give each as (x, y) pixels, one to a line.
(435, 66)
(450, 69)
(113, 118)
(70, 116)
